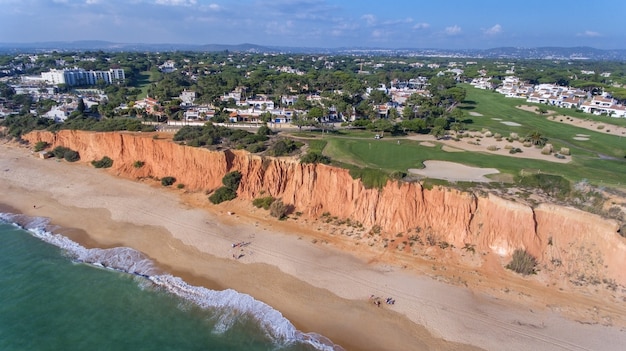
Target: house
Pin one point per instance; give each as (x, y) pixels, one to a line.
(288, 100)
(571, 102)
(168, 66)
(233, 117)
(260, 104)
(238, 94)
(150, 105)
(187, 98)
(382, 111)
(58, 113)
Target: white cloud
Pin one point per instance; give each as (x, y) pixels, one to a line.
(421, 25)
(493, 30)
(397, 22)
(176, 2)
(369, 19)
(377, 33)
(454, 30)
(589, 34)
(279, 27)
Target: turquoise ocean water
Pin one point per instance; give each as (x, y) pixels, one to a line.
(58, 295)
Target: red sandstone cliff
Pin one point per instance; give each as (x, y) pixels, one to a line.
(566, 240)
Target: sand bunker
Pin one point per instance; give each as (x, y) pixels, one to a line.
(581, 138)
(454, 171)
(427, 143)
(475, 114)
(512, 124)
(582, 135)
(497, 119)
(447, 148)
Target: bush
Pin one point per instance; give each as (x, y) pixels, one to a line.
(553, 185)
(264, 130)
(284, 147)
(105, 162)
(254, 148)
(59, 151)
(522, 262)
(547, 149)
(278, 209)
(180, 186)
(263, 202)
(71, 156)
(397, 175)
(40, 145)
(314, 157)
(222, 194)
(167, 181)
(231, 180)
(138, 164)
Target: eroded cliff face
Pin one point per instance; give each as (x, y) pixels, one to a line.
(569, 241)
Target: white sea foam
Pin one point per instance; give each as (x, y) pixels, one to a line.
(232, 304)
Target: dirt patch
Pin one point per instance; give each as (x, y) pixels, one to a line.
(454, 171)
(535, 109)
(447, 148)
(600, 127)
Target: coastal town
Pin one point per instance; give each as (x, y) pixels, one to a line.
(64, 88)
(395, 194)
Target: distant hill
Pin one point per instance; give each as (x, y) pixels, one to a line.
(553, 53)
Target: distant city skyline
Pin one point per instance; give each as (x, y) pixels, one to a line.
(443, 24)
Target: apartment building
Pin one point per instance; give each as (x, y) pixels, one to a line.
(79, 76)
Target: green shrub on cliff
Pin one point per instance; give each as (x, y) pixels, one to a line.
(138, 164)
(314, 157)
(222, 194)
(59, 151)
(71, 156)
(522, 262)
(553, 185)
(232, 180)
(263, 202)
(40, 146)
(66, 153)
(229, 191)
(167, 181)
(105, 162)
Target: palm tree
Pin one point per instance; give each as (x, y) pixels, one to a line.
(536, 138)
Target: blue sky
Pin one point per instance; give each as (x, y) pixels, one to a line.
(444, 24)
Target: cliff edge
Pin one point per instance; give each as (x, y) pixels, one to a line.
(401, 217)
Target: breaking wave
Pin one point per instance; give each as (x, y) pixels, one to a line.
(229, 304)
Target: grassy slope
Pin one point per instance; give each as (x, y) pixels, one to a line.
(143, 82)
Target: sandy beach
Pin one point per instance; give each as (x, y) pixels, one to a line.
(322, 286)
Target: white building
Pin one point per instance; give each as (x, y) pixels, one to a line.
(79, 76)
(187, 98)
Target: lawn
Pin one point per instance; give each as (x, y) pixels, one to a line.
(494, 105)
(360, 149)
(143, 82)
